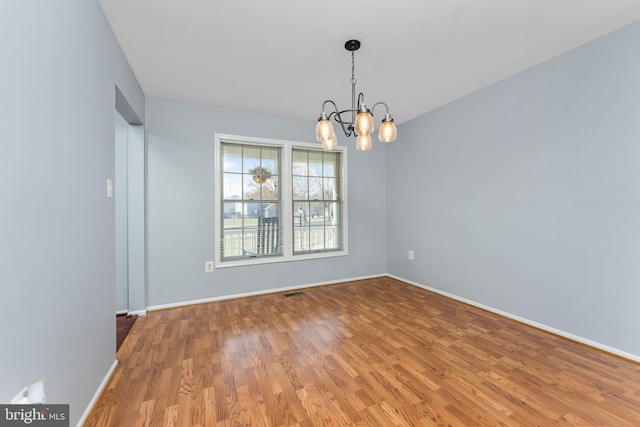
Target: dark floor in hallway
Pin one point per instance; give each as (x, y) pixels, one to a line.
(124, 323)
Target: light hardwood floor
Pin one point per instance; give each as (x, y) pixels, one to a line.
(376, 352)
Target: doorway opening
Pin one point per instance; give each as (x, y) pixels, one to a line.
(130, 215)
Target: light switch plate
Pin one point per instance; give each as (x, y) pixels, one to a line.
(109, 188)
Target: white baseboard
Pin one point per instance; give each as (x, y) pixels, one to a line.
(132, 313)
(97, 394)
(263, 292)
(537, 325)
(137, 313)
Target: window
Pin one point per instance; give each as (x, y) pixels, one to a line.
(250, 200)
(277, 201)
(316, 201)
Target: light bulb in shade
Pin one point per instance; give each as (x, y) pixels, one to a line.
(388, 131)
(330, 143)
(364, 121)
(363, 142)
(324, 128)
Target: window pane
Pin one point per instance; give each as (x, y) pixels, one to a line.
(330, 191)
(301, 227)
(316, 227)
(315, 163)
(330, 164)
(300, 162)
(271, 160)
(250, 189)
(315, 188)
(231, 211)
(231, 158)
(300, 214)
(269, 189)
(251, 159)
(250, 211)
(250, 231)
(300, 188)
(332, 215)
(333, 227)
(231, 186)
(316, 213)
(232, 229)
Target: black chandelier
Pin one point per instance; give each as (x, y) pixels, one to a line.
(360, 123)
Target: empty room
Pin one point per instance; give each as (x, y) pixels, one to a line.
(339, 213)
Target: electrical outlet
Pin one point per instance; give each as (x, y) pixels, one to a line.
(208, 267)
(411, 255)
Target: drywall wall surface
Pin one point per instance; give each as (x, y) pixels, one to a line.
(181, 179)
(524, 196)
(60, 66)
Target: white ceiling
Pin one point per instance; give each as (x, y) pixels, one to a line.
(286, 57)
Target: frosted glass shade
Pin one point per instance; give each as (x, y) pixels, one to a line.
(363, 142)
(364, 122)
(388, 131)
(324, 129)
(330, 143)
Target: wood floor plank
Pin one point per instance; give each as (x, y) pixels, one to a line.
(375, 352)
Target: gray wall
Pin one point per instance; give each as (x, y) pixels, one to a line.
(181, 206)
(525, 196)
(60, 66)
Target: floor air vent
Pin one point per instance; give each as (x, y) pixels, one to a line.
(293, 294)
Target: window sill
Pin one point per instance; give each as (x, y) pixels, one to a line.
(248, 261)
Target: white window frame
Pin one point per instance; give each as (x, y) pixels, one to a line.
(286, 201)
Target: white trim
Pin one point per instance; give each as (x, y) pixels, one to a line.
(585, 341)
(285, 201)
(283, 258)
(137, 313)
(97, 394)
(132, 313)
(263, 292)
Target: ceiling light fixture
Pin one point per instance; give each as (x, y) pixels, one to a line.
(360, 124)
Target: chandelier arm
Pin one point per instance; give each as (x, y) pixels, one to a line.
(347, 127)
(328, 101)
(378, 103)
(349, 110)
